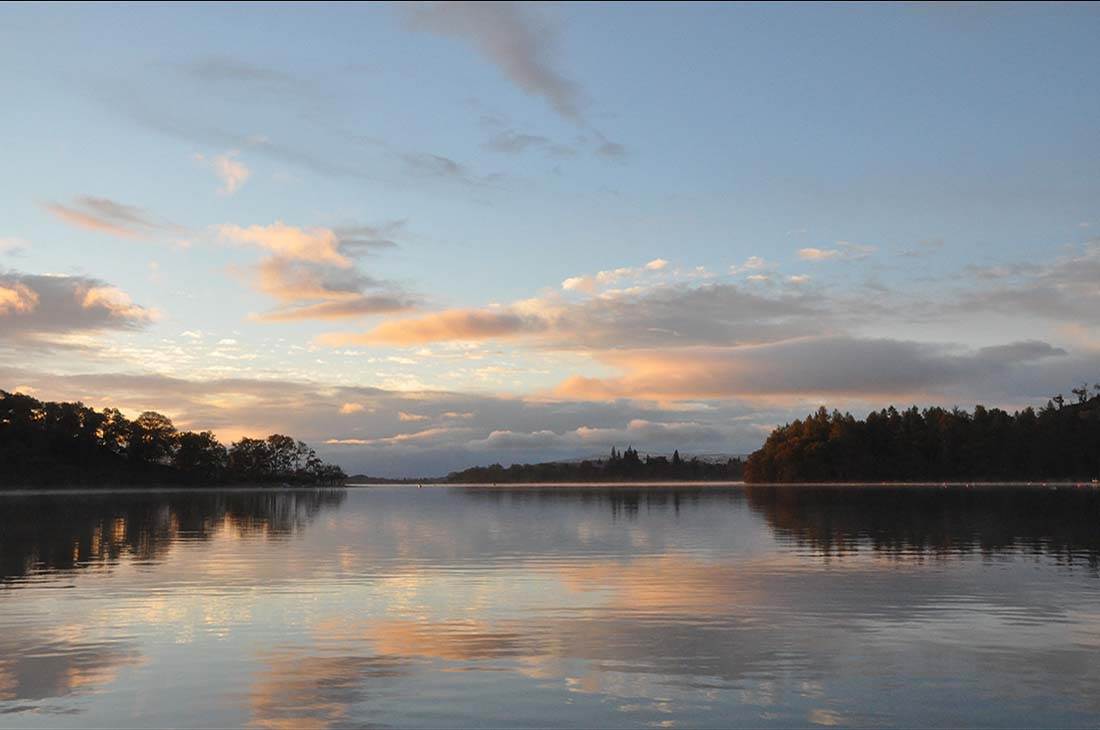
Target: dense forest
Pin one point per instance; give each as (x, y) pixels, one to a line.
(44, 443)
(620, 466)
(1059, 441)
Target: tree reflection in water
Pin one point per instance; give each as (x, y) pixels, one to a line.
(68, 531)
(902, 521)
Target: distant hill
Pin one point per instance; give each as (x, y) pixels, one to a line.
(620, 466)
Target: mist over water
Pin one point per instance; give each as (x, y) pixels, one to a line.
(579, 606)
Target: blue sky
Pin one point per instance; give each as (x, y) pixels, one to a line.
(318, 218)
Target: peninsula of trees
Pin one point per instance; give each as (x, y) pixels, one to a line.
(69, 444)
(1060, 441)
(620, 466)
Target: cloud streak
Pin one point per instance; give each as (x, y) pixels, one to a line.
(841, 366)
(108, 216)
(512, 37)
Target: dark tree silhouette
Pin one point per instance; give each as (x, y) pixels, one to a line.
(1060, 441)
(152, 438)
(69, 443)
(624, 466)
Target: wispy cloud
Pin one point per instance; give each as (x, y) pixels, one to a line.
(450, 325)
(522, 42)
(108, 216)
(230, 170)
(844, 251)
(229, 70)
(12, 245)
(512, 36)
(360, 238)
(513, 142)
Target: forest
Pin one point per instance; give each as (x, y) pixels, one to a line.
(620, 466)
(69, 444)
(1060, 441)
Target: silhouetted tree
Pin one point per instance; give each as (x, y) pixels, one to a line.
(152, 439)
(1061, 441)
(201, 455)
(69, 443)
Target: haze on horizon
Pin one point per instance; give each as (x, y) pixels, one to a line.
(423, 237)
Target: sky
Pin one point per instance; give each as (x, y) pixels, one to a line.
(427, 236)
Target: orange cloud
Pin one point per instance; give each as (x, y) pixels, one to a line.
(90, 222)
(321, 291)
(835, 366)
(319, 245)
(115, 301)
(453, 324)
(360, 306)
(17, 298)
(817, 254)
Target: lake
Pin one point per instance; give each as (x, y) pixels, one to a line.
(616, 606)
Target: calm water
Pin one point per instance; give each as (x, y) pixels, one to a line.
(604, 606)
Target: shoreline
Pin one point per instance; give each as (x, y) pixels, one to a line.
(172, 489)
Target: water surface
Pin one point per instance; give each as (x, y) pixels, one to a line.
(609, 606)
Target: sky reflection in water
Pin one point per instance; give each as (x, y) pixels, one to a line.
(596, 606)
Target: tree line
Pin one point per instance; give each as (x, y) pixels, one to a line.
(620, 466)
(1059, 441)
(43, 442)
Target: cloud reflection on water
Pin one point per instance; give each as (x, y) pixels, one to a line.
(593, 606)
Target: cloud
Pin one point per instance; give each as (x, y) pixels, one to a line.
(225, 69)
(841, 366)
(312, 272)
(511, 36)
(35, 307)
(752, 263)
(436, 165)
(449, 325)
(512, 142)
(367, 305)
(590, 283)
(317, 291)
(641, 433)
(607, 148)
(844, 252)
(232, 172)
(924, 248)
(411, 417)
(817, 254)
(1063, 290)
(360, 239)
(17, 298)
(107, 216)
(350, 408)
(668, 316)
(12, 245)
(319, 245)
(429, 436)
